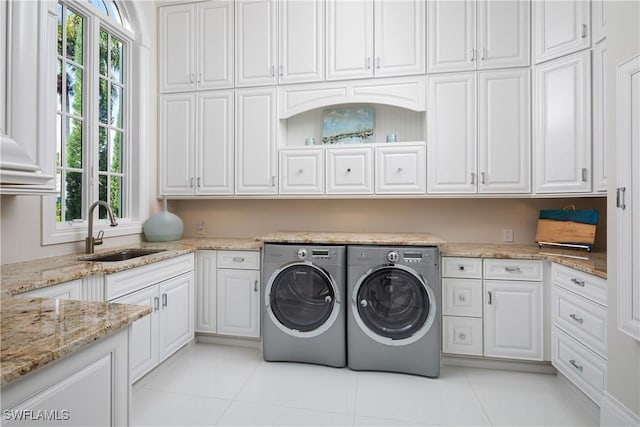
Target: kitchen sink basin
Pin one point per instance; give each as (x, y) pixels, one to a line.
(122, 255)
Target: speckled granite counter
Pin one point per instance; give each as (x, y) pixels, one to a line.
(36, 331)
(39, 273)
(410, 239)
(593, 263)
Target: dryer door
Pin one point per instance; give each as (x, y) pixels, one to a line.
(393, 305)
(302, 299)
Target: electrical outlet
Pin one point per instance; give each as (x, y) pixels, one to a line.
(200, 227)
(507, 235)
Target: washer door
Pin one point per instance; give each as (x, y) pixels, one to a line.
(302, 299)
(393, 305)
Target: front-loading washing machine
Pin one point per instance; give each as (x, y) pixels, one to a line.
(394, 309)
(303, 312)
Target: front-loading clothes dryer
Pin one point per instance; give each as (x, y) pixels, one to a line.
(394, 309)
(303, 311)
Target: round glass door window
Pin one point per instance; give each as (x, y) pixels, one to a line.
(302, 297)
(393, 303)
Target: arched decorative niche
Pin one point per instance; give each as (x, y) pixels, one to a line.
(408, 125)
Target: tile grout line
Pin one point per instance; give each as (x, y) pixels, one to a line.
(477, 396)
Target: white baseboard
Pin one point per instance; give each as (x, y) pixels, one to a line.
(237, 342)
(503, 364)
(614, 413)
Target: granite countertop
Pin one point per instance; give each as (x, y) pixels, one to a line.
(589, 262)
(25, 276)
(36, 331)
(409, 239)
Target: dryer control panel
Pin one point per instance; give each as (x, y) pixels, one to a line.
(412, 257)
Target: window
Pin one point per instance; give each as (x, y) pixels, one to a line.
(94, 149)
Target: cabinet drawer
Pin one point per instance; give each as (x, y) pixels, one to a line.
(583, 367)
(302, 171)
(125, 282)
(401, 169)
(470, 268)
(512, 269)
(241, 260)
(349, 170)
(462, 297)
(583, 284)
(581, 318)
(462, 335)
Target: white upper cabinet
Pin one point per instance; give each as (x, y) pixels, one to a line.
(504, 128)
(301, 41)
(399, 37)
(196, 143)
(560, 27)
(478, 141)
(451, 134)
(196, 46)
(628, 197)
(468, 35)
(562, 125)
(599, 20)
(600, 131)
(367, 38)
(256, 141)
(256, 44)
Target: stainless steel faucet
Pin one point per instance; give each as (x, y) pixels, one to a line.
(90, 241)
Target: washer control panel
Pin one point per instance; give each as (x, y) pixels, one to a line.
(393, 256)
(412, 257)
(302, 253)
(315, 253)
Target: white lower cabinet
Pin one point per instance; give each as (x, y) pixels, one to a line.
(167, 286)
(228, 293)
(67, 290)
(492, 308)
(579, 331)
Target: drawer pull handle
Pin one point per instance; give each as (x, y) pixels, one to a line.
(578, 282)
(575, 365)
(165, 300)
(490, 298)
(461, 298)
(255, 286)
(512, 269)
(156, 303)
(576, 318)
(238, 259)
(461, 267)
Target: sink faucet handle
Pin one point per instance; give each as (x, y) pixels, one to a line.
(98, 240)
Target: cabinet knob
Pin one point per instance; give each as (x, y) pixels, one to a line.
(300, 170)
(461, 298)
(348, 170)
(463, 337)
(399, 170)
(461, 267)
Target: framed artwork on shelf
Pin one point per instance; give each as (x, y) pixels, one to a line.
(347, 125)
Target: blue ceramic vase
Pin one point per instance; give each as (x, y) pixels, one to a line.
(163, 226)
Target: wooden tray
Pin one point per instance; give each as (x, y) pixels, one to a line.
(568, 228)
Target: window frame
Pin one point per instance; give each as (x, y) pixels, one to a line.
(54, 232)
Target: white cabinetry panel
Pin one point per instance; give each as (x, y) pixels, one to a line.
(205, 291)
(256, 45)
(600, 131)
(451, 35)
(238, 302)
(503, 33)
(215, 45)
(177, 143)
(67, 290)
(177, 52)
(462, 335)
(560, 28)
(177, 318)
(562, 129)
(462, 297)
(214, 173)
(349, 170)
(302, 171)
(400, 169)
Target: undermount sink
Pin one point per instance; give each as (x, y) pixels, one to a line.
(122, 255)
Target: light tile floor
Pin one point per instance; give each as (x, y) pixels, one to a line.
(206, 384)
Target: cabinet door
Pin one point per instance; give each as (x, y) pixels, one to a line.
(560, 28)
(562, 125)
(206, 291)
(215, 143)
(215, 45)
(68, 290)
(177, 143)
(302, 171)
(628, 197)
(451, 33)
(513, 319)
(599, 20)
(451, 134)
(143, 337)
(600, 131)
(503, 33)
(350, 170)
(399, 37)
(349, 39)
(176, 314)
(401, 169)
(177, 48)
(504, 127)
(301, 41)
(238, 303)
(256, 46)
(256, 141)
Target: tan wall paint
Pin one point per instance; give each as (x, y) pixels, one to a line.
(456, 220)
(623, 367)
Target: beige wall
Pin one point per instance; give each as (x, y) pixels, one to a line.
(623, 369)
(456, 220)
